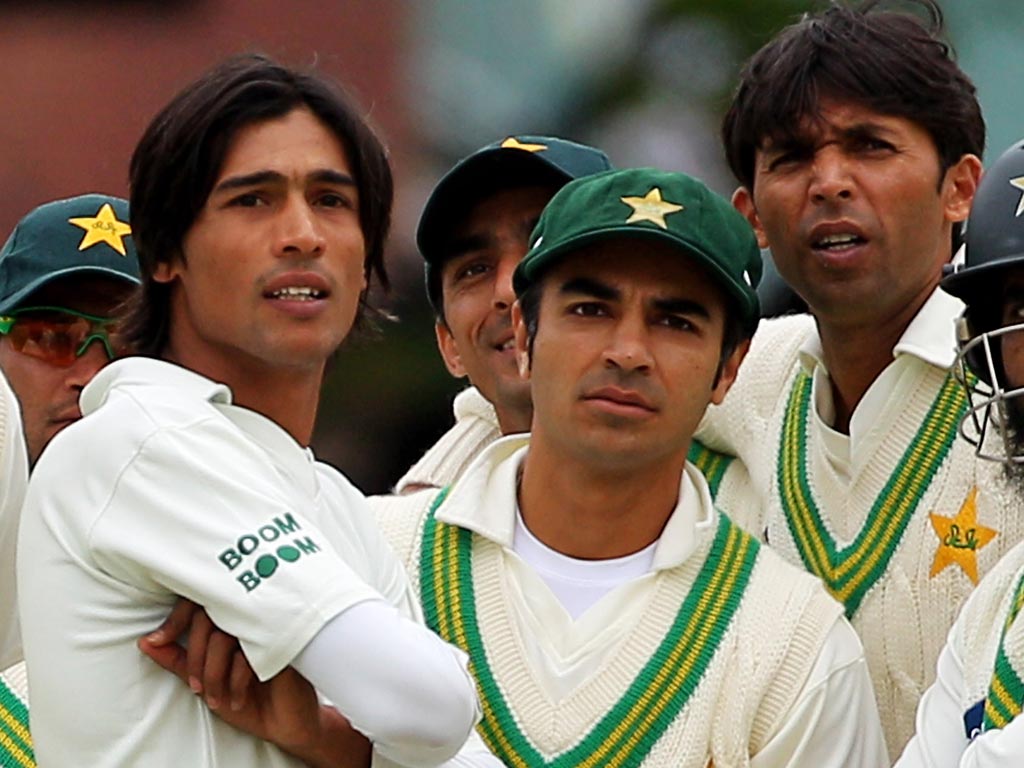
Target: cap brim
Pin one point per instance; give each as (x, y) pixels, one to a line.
(473, 179)
(744, 297)
(16, 298)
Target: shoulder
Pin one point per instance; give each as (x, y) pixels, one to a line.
(401, 518)
(737, 426)
(982, 617)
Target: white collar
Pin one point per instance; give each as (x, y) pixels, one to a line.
(131, 371)
(483, 500)
(930, 336)
(151, 372)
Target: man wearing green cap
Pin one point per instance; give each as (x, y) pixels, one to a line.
(64, 268)
(473, 232)
(608, 609)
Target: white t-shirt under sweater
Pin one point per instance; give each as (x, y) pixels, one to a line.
(787, 684)
(951, 715)
(942, 516)
(13, 479)
(165, 489)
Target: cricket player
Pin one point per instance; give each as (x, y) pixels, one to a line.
(970, 716)
(260, 205)
(63, 271)
(856, 139)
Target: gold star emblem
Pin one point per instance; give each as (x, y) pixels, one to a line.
(650, 208)
(960, 538)
(103, 228)
(513, 143)
(1019, 184)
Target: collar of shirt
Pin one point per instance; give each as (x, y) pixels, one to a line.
(929, 338)
(130, 371)
(282, 448)
(484, 501)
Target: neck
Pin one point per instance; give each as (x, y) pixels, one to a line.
(287, 396)
(593, 513)
(513, 419)
(856, 353)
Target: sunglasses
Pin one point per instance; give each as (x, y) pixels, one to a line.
(56, 334)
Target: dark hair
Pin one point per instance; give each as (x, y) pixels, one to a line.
(179, 157)
(734, 333)
(891, 62)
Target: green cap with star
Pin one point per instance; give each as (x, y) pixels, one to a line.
(84, 235)
(649, 204)
(512, 162)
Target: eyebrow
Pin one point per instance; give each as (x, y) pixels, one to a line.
(590, 287)
(806, 139)
(270, 177)
(459, 246)
(682, 307)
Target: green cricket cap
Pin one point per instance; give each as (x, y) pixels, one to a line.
(512, 162)
(84, 235)
(649, 204)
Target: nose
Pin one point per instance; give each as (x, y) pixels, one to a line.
(299, 233)
(80, 372)
(628, 348)
(830, 181)
(504, 294)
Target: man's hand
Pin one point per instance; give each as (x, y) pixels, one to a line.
(284, 710)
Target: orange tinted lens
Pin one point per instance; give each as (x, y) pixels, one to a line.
(50, 340)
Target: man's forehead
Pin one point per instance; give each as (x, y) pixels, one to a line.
(663, 270)
(825, 117)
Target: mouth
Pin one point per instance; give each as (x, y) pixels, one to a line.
(623, 400)
(836, 238)
(297, 293)
(837, 243)
(506, 345)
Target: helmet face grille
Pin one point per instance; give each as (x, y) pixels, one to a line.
(994, 422)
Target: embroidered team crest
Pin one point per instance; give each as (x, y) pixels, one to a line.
(650, 208)
(960, 538)
(104, 227)
(513, 143)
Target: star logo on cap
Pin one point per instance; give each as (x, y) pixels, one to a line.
(1019, 184)
(650, 208)
(513, 143)
(103, 228)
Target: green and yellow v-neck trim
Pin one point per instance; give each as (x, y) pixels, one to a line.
(662, 688)
(850, 572)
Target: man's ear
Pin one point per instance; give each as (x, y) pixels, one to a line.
(959, 185)
(449, 350)
(743, 201)
(167, 270)
(730, 369)
(522, 342)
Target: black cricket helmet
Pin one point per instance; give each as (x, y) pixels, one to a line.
(994, 245)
